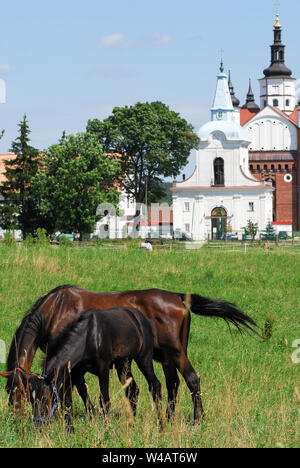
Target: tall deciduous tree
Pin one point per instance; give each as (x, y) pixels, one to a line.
(19, 210)
(154, 142)
(77, 177)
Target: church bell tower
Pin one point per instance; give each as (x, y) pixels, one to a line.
(277, 88)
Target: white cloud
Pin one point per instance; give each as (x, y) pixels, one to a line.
(117, 40)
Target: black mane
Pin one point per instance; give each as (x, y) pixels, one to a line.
(33, 323)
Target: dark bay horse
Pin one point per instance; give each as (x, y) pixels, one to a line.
(169, 311)
(93, 342)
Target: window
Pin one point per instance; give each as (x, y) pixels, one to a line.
(251, 206)
(279, 167)
(219, 171)
(287, 102)
(187, 228)
(275, 103)
(258, 167)
(251, 167)
(186, 206)
(286, 166)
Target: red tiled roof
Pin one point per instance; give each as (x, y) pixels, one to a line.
(246, 115)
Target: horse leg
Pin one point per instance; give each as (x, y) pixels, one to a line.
(103, 377)
(66, 398)
(132, 390)
(192, 380)
(172, 382)
(80, 384)
(145, 365)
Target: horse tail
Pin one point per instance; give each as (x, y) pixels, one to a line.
(229, 312)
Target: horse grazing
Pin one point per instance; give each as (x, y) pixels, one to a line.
(169, 311)
(93, 342)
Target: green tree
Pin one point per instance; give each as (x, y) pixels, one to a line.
(269, 232)
(251, 229)
(77, 177)
(154, 142)
(19, 210)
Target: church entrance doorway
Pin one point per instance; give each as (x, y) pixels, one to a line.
(218, 222)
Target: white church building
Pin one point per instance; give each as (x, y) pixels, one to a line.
(221, 195)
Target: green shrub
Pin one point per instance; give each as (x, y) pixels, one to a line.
(9, 239)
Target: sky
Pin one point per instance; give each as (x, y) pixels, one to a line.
(63, 62)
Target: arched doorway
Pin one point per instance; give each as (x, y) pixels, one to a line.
(218, 222)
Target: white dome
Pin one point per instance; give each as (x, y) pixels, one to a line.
(231, 130)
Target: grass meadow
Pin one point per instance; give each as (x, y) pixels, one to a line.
(250, 386)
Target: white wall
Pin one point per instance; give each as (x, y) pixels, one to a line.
(280, 89)
(270, 132)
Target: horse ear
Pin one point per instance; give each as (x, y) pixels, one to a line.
(6, 374)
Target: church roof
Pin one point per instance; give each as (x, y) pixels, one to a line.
(231, 130)
(222, 99)
(277, 68)
(291, 118)
(235, 101)
(250, 102)
(222, 117)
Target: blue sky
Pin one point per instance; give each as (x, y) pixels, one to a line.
(64, 62)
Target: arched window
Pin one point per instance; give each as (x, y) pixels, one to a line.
(287, 102)
(218, 171)
(275, 102)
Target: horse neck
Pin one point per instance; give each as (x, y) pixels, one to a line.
(66, 352)
(23, 346)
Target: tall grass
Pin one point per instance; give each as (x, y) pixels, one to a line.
(248, 384)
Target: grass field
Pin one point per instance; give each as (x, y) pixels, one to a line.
(249, 385)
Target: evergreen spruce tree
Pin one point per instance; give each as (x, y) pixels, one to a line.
(19, 210)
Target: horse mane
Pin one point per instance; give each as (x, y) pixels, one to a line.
(33, 322)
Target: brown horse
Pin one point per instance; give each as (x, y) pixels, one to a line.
(170, 315)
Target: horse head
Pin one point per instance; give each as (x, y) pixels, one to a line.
(24, 385)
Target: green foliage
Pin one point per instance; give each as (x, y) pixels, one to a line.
(77, 177)
(154, 142)
(42, 238)
(9, 239)
(29, 240)
(20, 209)
(251, 229)
(64, 241)
(270, 229)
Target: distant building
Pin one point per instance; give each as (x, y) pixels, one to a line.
(269, 141)
(221, 195)
(273, 129)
